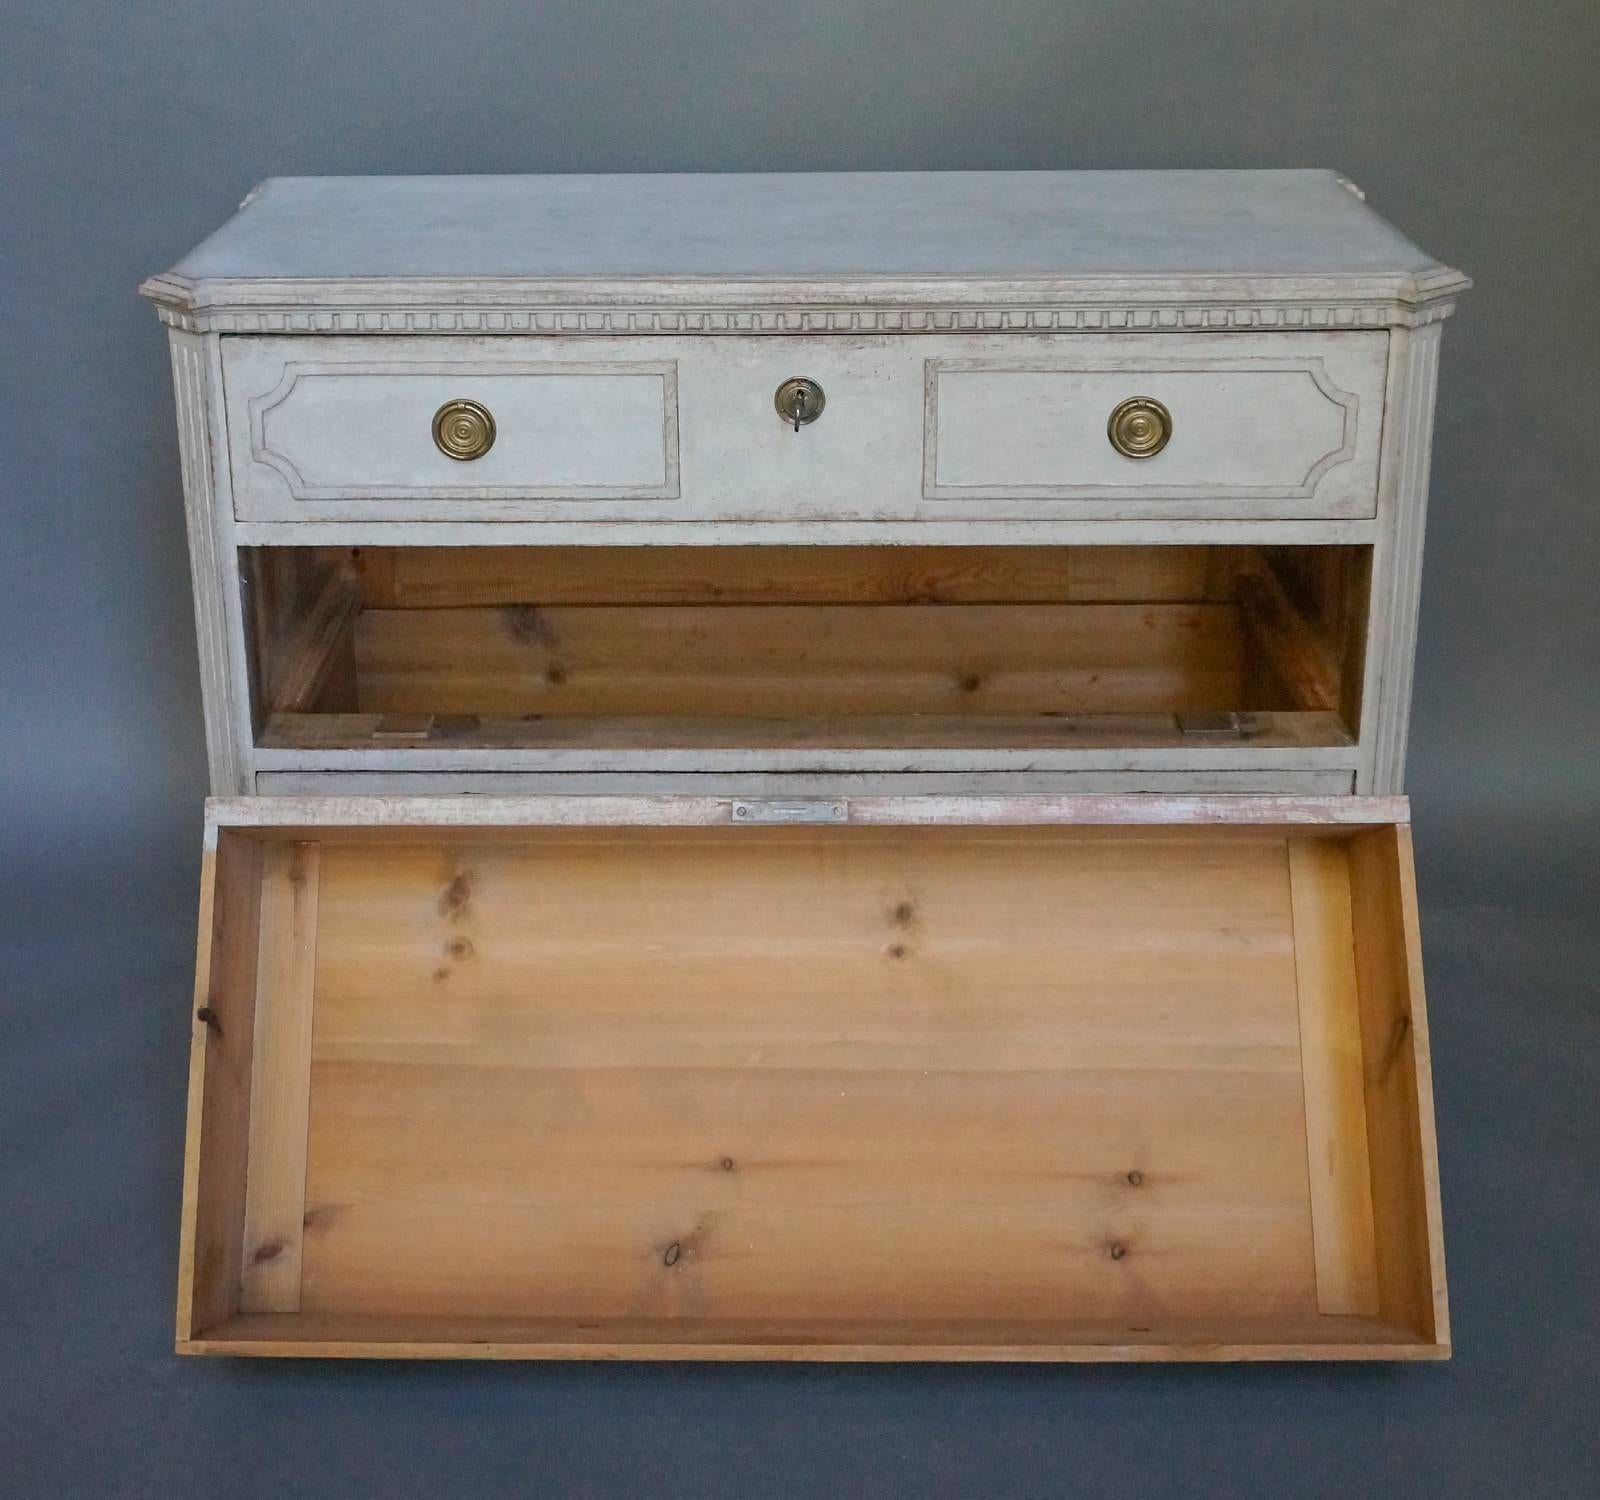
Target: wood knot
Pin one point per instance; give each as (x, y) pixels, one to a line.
(459, 948)
(529, 625)
(727, 1164)
(210, 1018)
(971, 682)
(897, 950)
(903, 914)
(671, 1254)
(267, 1250)
(1116, 1250)
(1396, 1048)
(555, 676)
(456, 895)
(1135, 1178)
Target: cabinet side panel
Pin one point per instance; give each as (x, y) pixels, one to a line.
(1397, 559)
(196, 383)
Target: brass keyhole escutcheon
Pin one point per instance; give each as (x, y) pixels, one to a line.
(1139, 427)
(463, 429)
(799, 401)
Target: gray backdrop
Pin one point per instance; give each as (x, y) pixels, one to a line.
(129, 130)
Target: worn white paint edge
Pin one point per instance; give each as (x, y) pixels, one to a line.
(1397, 560)
(785, 304)
(552, 812)
(213, 563)
(911, 531)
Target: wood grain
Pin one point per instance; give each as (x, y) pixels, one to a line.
(456, 577)
(1330, 1057)
(1299, 655)
(356, 1336)
(1398, 1086)
(217, 1134)
(705, 1075)
(797, 661)
(640, 1085)
(319, 648)
(275, 1204)
(1269, 741)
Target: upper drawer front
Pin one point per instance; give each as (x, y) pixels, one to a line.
(919, 428)
(340, 425)
(1206, 425)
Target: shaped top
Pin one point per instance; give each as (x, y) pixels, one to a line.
(1063, 234)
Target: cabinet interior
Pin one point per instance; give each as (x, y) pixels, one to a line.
(791, 648)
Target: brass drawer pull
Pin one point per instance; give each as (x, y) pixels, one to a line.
(1139, 427)
(463, 430)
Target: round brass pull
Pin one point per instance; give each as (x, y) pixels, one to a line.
(463, 429)
(1139, 427)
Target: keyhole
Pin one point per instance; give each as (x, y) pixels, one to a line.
(798, 402)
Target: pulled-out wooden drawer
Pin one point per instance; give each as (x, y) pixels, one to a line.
(928, 428)
(854, 1078)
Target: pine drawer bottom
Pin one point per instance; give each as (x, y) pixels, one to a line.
(1022, 1078)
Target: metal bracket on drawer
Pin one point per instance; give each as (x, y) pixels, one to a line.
(809, 811)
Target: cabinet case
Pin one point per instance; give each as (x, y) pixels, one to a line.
(1117, 482)
(778, 994)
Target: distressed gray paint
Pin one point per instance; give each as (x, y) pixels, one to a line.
(129, 131)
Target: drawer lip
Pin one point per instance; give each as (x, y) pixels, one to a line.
(293, 1336)
(1088, 809)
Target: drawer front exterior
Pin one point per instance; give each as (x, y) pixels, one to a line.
(923, 428)
(312, 426)
(1288, 434)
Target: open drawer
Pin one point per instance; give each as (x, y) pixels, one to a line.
(1020, 1078)
(1197, 659)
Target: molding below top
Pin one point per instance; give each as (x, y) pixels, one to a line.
(690, 305)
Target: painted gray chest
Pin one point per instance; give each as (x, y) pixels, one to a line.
(1117, 482)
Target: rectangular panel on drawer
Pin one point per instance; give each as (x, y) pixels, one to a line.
(938, 428)
(354, 421)
(1265, 425)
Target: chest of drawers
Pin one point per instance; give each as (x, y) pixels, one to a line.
(547, 530)
(1117, 484)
